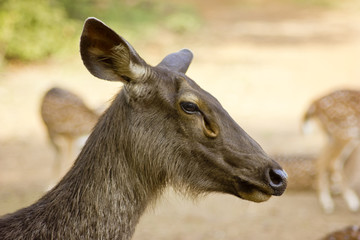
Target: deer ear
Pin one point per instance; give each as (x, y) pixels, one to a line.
(178, 61)
(108, 56)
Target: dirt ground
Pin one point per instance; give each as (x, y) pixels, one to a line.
(264, 65)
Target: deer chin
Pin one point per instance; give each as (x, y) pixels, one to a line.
(255, 196)
(251, 191)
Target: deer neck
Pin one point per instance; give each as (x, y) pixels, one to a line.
(105, 183)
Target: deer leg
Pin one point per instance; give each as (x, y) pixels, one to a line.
(348, 194)
(59, 143)
(352, 199)
(325, 163)
(338, 164)
(69, 156)
(324, 194)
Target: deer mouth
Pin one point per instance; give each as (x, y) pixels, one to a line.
(248, 190)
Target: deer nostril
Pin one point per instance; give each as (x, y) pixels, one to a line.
(277, 180)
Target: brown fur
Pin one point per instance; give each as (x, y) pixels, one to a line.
(147, 139)
(347, 233)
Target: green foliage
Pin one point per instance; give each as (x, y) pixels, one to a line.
(183, 21)
(32, 30)
(36, 29)
(137, 16)
(313, 3)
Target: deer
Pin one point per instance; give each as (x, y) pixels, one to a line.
(161, 129)
(351, 232)
(338, 115)
(68, 121)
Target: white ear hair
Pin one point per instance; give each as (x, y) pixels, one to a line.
(137, 70)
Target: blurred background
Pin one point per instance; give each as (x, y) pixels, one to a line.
(264, 60)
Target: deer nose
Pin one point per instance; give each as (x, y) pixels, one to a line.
(277, 179)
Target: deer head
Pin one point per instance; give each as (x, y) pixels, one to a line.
(176, 131)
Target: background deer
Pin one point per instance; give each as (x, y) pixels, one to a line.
(338, 115)
(68, 121)
(161, 129)
(301, 169)
(347, 233)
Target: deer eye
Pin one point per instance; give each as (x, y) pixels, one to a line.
(189, 107)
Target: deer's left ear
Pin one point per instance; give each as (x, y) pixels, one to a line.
(108, 56)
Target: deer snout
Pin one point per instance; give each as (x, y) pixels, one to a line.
(277, 179)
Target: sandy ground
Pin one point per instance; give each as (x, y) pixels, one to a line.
(265, 69)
